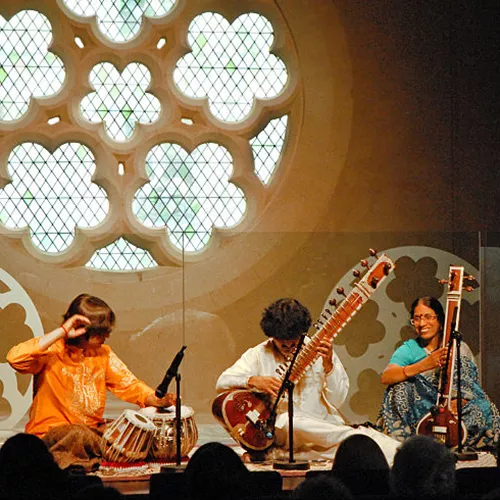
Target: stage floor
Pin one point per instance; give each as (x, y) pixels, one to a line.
(134, 478)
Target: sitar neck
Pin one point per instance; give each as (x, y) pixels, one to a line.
(333, 322)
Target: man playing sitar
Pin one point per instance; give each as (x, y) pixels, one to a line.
(319, 391)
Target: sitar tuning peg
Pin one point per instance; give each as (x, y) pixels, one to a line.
(443, 282)
(333, 302)
(469, 277)
(374, 282)
(387, 268)
(356, 273)
(468, 288)
(341, 291)
(364, 263)
(373, 253)
(316, 325)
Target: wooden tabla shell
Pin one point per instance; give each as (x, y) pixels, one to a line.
(164, 445)
(129, 437)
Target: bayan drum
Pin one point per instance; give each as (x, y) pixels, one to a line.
(129, 437)
(164, 445)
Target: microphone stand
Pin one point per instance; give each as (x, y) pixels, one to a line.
(292, 464)
(178, 418)
(178, 467)
(460, 454)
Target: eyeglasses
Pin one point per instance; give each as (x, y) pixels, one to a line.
(426, 317)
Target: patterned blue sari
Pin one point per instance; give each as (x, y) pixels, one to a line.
(404, 404)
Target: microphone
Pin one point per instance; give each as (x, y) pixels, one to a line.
(161, 390)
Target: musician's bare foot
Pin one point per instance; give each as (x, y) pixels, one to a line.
(254, 456)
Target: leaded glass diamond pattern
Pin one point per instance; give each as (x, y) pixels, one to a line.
(230, 64)
(121, 256)
(267, 147)
(27, 68)
(52, 193)
(189, 193)
(120, 100)
(120, 20)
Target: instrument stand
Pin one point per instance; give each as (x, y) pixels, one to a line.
(292, 464)
(460, 453)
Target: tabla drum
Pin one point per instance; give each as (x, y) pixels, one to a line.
(129, 437)
(164, 445)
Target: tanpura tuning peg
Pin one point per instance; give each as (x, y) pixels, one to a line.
(356, 273)
(364, 263)
(333, 302)
(340, 291)
(373, 252)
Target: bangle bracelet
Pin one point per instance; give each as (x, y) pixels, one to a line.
(66, 333)
(404, 372)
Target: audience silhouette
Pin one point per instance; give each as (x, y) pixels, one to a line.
(28, 470)
(322, 487)
(97, 492)
(423, 468)
(216, 471)
(361, 465)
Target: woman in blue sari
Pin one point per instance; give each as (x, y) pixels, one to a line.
(412, 377)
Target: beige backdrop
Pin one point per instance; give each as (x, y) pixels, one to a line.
(383, 153)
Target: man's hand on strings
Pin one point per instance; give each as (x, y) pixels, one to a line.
(325, 350)
(269, 385)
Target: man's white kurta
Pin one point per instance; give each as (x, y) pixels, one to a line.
(318, 426)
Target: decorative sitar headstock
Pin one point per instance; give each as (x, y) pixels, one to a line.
(366, 285)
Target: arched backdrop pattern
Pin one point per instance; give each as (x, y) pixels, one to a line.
(366, 344)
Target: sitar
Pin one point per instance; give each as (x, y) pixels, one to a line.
(441, 423)
(246, 414)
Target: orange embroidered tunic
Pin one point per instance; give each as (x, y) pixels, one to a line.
(70, 384)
